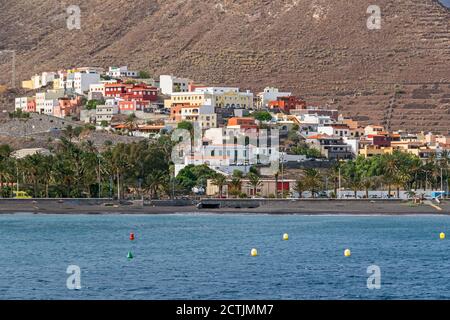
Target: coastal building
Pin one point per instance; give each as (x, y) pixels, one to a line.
(242, 123)
(46, 101)
(341, 130)
(96, 90)
(204, 115)
(228, 97)
(24, 103)
(270, 94)
(194, 99)
(330, 147)
(68, 107)
(23, 153)
(268, 188)
(170, 84)
(131, 92)
(106, 112)
(287, 104)
(39, 80)
(83, 80)
(132, 106)
(373, 130)
(121, 72)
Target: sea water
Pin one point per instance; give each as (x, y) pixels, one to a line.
(208, 256)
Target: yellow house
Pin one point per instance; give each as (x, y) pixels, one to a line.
(194, 99)
(370, 151)
(233, 99)
(217, 97)
(28, 84)
(57, 84)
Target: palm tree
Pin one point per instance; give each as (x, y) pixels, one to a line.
(154, 182)
(300, 187)
(333, 176)
(354, 183)
(131, 123)
(367, 183)
(46, 172)
(254, 181)
(220, 181)
(235, 186)
(390, 170)
(313, 181)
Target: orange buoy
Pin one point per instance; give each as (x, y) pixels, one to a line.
(132, 236)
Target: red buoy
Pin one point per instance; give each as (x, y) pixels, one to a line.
(132, 236)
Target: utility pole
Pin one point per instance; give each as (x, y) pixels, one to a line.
(99, 178)
(17, 173)
(282, 176)
(339, 181)
(118, 185)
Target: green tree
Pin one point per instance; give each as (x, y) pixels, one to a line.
(262, 116)
(300, 187)
(313, 181)
(220, 181)
(254, 181)
(144, 75)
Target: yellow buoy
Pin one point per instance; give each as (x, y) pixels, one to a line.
(442, 236)
(347, 253)
(285, 237)
(254, 252)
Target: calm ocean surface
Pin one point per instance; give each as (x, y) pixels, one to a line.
(208, 257)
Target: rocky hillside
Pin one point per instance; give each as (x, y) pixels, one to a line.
(320, 49)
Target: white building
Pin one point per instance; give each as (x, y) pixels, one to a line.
(106, 112)
(228, 97)
(122, 72)
(310, 123)
(340, 130)
(83, 80)
(171, 84)
(45, 101)
(47, 78)
(270, 94)
(97, 88)
(49, 106)
(22, 103)
(354, 144)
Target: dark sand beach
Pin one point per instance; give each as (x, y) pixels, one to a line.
(306, 207)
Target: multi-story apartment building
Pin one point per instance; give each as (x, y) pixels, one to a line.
(121, 72)
(270, 94)
(170, 84)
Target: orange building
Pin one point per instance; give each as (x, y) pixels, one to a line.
(286, 104)
(67, 107)
(242, 123)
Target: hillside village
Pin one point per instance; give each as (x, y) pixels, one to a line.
(123, 105)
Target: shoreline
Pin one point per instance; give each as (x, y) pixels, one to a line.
(278, 207)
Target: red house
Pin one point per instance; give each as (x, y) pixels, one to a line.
(129, 106)
(31, 106)
(141, 92)
(131, 92)
(286, 104)
(115, 90)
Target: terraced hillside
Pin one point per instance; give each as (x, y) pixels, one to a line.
(412, 107)
(316, 48)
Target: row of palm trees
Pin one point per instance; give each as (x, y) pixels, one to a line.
(402, 171)
(81, 170)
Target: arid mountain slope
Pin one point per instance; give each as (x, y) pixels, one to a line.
(320, 49)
